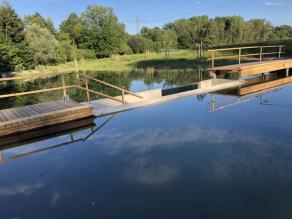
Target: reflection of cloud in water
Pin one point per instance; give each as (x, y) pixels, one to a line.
(145, 172)
(145, 139)
(20, 189)
(55, 198)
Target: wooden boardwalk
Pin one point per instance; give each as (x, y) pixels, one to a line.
(32, 117)
(254, 68)
(268, 59)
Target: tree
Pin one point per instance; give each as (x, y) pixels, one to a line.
(139, 44)
(105, 34)
(65, 48)
(75, 29)
(155, 35)
(169, 40)
(39, 20)
(9, 57)
(40, 45)
(10, 24)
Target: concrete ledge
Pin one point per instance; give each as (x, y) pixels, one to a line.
(107, 106)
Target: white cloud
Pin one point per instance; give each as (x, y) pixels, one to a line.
(20, 189)
(274, 4)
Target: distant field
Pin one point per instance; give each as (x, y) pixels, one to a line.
(177, 60)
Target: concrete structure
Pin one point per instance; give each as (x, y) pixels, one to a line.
(108, 106)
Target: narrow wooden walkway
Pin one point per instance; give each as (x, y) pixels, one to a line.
(254, 68)
(31, 117)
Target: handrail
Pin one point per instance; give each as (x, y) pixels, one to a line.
(64, 87)
(35, 92)
(100, 94)
(112, 86)
(247, 47)
(261, 53)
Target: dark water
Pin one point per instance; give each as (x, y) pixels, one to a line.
(174, 160)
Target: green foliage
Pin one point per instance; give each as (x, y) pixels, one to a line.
(10, 24)
(97, 33)
(75, 29)
(65, 49)
(86, 54)
(155, 35)
(8, 54)
(104, 33)
(140, 44)
(40, 44)
(39, 20)
(169, 39)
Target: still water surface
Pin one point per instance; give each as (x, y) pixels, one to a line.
(173, 160)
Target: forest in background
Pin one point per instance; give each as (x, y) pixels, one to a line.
(32, 40)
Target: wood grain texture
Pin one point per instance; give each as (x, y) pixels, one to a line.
(26, 118)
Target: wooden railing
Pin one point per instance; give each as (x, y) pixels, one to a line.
(65, 87)
(239, 54)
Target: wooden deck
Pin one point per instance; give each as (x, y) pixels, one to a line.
(254, 68)
(42, 115)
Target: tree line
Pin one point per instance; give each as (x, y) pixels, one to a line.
(96, 33)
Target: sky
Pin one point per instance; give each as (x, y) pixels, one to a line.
(153, 13)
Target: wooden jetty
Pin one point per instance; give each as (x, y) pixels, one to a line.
(262, 61)
(36, 116)
(33, 117)
(46, 115)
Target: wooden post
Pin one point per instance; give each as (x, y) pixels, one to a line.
(213, 103)
(64, 86)
(86, 86)
(76, 67)
(239, 56)
(1, 157)
(123, 95)
(261, 54)
(280, 50)
(213, 59)
(287, 72)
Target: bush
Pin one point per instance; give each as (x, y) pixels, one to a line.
(86, 54)
(139, 44)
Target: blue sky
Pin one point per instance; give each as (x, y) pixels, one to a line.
(158, 12)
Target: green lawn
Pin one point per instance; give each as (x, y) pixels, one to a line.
(177, 60)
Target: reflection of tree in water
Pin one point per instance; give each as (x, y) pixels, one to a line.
(165, 77)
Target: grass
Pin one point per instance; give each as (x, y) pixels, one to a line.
(177, 60)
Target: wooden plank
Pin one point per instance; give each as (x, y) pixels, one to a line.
(41, 115)
(255, 68)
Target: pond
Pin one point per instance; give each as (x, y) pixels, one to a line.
(173, 160)
(133, 81)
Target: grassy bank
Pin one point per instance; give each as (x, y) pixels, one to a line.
(177, 60)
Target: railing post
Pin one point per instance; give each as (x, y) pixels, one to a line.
(280, 50)
(213, 103)
(87, 87)
(213, 59)
(261, 54)
(123, 96)
(1, 157)
(64, 86)
(239, 56)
